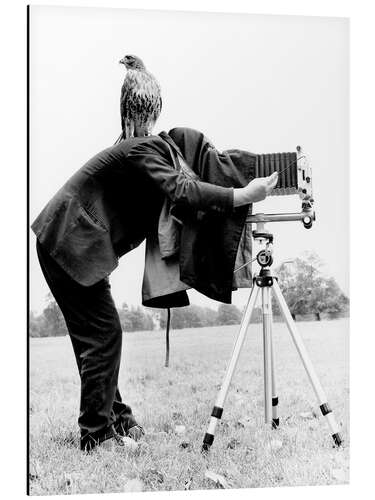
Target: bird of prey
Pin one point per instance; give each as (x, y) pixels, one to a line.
(140, 102)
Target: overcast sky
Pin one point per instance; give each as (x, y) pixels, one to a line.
(261, 83)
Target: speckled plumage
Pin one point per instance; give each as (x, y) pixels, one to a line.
(140, 102)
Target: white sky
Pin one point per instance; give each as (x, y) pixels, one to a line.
(261, 83)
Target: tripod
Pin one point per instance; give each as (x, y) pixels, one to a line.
(264, 282)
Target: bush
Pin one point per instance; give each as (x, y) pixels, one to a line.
(135, 319)
(228, 314)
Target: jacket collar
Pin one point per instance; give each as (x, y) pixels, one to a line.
(171, 142)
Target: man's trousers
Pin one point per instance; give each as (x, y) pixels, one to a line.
(94, 327)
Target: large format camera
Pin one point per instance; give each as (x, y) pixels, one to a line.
(295, 177)
(294, 173)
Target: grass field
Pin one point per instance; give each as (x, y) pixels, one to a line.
(245, 452)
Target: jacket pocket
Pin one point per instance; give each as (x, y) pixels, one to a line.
(87, 215)
(85, 250)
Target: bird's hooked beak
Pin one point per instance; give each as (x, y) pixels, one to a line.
(122, 61)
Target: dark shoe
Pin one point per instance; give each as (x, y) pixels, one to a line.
(128, 442)
(136, 432)
(126, 425)
(114, 442)
(111, 441)
(91, 441)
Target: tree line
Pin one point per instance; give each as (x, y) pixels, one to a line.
(50, 323)
(305, 287)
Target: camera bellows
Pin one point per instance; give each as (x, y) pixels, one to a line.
(283, 163)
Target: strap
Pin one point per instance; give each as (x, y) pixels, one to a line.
(167, 338)
(179, 162)
(168, 139)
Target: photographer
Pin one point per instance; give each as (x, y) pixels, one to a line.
(105, 210)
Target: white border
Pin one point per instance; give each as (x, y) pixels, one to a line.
(13, 241)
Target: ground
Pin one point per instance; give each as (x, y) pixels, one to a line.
(245, 452)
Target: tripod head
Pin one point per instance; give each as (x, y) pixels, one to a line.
(265, 239)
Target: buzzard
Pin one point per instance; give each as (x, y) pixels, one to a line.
(140, 102)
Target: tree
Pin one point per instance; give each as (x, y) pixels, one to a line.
(228, 314)
(53, 319)
(36, 325)
(135, 319)
(307, 290)
(328, 298)
(140, 320)
(50, 323)
(194, 317)
(209, 317)
(125, 319)
(183, 317)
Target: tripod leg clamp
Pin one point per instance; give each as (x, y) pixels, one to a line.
(217, 412)
(325, 409)
(207, 441)
(337, 438)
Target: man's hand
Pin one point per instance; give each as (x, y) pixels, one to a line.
(257, 190)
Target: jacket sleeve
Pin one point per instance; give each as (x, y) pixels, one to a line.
(155, 162)
(234, 167)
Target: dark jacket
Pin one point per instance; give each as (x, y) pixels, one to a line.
(109, 205)
(212, 241)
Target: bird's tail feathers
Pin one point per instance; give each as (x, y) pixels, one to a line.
(133, 129)
(129, 129)
(143, 129)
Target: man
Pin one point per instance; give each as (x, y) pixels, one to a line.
(102, 212)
